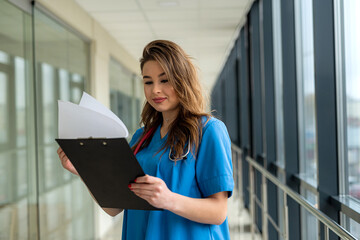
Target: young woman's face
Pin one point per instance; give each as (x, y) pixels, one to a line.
(159, 93)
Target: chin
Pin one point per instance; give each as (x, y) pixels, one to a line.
(159, 109)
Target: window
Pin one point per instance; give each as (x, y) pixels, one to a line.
(347, 35)
(62, 59)
(3, 108)
(125, 95)
(352, 81)
(279, 114)
(306, 110)
(306, 90)
(278, 82)
(14, 115)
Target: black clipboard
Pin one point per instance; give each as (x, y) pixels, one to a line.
(107, 166)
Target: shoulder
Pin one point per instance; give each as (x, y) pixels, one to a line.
(136, 136)
(138, 133)
(212, 124)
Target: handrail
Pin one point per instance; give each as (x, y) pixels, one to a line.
(334, 226)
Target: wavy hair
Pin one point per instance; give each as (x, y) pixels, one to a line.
(182, 75)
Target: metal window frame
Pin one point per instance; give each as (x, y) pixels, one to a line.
(270, 200)
(256, 108)
(328, 223)
(244, 108)
(326, 112)
(340, 92)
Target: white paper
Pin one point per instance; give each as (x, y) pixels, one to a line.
(89, 119)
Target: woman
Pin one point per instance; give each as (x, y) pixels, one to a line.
(185, 153)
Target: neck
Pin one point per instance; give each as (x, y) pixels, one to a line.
(168, 118)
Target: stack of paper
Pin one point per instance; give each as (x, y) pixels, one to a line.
(89, 119)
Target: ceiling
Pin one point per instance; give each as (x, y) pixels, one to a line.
(205, 29)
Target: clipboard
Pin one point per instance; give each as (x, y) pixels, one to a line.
(107, 166)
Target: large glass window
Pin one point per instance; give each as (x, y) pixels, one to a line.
(352, 81)
(125, 95)
(348, 77)
(279, 115)
(278, 76)
(38, 198)
(306, 110)
(4, 135)
(306, 90)
(16, 141)
(309, 224)
(62, 69)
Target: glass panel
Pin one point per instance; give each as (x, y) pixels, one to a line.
(48, 103)
(355, 228)
(77, 87)
(306, 90)
(5, 179)
(3, 108)
(352, 80)
(309, 223)
(21, 231)
(62, 60)
(279, 115)
(4, 58)
(122, 95)
(278, 82)
(64, 81)
(14, 149)
(306, 109)
(348, 88)
(281, 206)
(22, 168)
(20, 102)
(139, 100)
(56, 48)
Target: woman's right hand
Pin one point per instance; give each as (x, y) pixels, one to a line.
(65, 162)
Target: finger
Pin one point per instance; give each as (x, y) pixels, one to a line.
(142, 186)
(143, 179)
(146, 179)
(59, 150)
(143, 192)
(64, 159)
(62, 156)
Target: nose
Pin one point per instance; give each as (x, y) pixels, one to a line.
(156, 88)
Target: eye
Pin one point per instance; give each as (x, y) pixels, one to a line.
(147, 82)
(164, 81)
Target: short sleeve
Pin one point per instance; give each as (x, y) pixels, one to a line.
(136, 136)
(213, 164)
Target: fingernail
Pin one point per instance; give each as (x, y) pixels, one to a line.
(135, 180)
(129, 186)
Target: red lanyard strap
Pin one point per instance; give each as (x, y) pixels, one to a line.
(147, 135)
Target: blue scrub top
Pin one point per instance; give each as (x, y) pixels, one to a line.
(210, 173)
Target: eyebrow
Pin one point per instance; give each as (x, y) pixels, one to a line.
(160, 75)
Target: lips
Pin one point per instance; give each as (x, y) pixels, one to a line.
(159, 100)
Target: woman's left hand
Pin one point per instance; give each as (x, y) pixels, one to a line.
(153, 190)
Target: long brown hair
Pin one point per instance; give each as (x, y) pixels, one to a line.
(182, 75)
